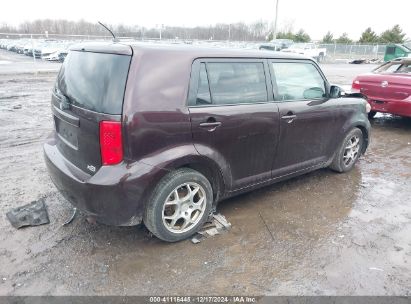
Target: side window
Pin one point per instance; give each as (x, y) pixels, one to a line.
(399, 52)
(203, 93)
(298, 81)
(237, 82)
(390, 50)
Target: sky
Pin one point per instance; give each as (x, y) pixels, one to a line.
(316, 17)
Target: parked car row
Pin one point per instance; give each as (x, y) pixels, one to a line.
(54, 50)
(46, 49)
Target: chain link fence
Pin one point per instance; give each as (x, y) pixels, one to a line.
(337, 51)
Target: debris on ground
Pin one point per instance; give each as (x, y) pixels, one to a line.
(367, 61)
(91, 220)
(375, 268)
(71, 218)
(359, 61)
(217, 225)
(398, 248)
(33, 214)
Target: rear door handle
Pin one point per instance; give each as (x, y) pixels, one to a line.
(210, 126)
(289, 117)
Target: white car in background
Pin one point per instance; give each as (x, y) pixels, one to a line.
(308, 49)
(57, 56)
(50, 48)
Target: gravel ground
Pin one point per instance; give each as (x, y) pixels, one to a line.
(319, 234)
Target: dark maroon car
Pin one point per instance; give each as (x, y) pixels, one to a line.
(161, 134)
(388, 87)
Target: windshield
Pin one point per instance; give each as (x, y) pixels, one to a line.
(94, 81)
(407, 47)
(402, 67)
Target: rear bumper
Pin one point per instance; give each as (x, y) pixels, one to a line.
(115, 195)
(398, 107)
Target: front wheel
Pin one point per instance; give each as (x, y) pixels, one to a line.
(348, 152)
(179, 205)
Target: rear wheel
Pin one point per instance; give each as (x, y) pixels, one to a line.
(371, 114)
(348, 152)
(179, 205)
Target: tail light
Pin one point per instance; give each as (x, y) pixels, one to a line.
(111, 143)
(356, 87)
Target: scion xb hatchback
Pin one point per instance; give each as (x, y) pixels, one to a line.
(161, 134)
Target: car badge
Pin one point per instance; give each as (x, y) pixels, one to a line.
(91, 168)
(384, 84)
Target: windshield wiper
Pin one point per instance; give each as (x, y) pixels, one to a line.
(65, 102)
(64, 99)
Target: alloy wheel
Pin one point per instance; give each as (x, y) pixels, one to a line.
(184, 207)
(351, 151)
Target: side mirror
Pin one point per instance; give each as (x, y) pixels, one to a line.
(336, 91)
(313, 93)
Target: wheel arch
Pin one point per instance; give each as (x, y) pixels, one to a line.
(209, 168)
(213, 174)
(361, 122)
(204, 165)
(366, 136)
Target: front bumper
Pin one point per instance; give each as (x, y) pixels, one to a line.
(115, 195)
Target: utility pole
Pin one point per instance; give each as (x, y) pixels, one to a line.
(32, 48)
(160, 28)
(275, 21)
(229, 31)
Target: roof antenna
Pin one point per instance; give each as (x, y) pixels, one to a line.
(114, 37)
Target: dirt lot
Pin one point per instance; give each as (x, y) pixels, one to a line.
(332, 234)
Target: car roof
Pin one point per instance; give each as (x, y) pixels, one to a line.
(193, 51)
(197, 51)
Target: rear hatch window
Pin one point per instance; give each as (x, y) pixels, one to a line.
(89, 89)
(94, 81)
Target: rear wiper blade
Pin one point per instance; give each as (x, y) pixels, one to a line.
(64, 100)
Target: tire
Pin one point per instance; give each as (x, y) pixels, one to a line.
(343, 162)
(371, 114)
(190, 209)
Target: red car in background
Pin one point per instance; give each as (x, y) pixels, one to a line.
(387, 88)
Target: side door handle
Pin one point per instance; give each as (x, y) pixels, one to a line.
(210, 125)
(289, 117)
